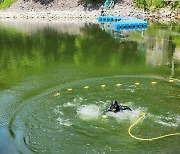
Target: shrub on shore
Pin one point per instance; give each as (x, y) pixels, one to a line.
(145, 4)
(156, 4)
(6, 3)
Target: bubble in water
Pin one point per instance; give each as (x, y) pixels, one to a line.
(61, 121)
(88, 112)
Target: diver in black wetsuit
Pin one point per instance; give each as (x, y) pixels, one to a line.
(116, 108)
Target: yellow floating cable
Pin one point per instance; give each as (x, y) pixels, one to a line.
(56, 94)
(147, 139)
(153, 82)
(137, 83)
(174, 79)
(171, 80)
(69, 89)
(119, 84)
(86, 87)
(103, 85)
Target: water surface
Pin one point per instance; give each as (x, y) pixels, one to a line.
(51, 97)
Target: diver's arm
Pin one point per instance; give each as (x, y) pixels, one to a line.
(106, 110)
(128, 108)
(125, 108)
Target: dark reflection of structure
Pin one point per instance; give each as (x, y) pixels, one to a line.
(131, 49)
(163, 49)
(93, 46)
(160, 48)
(108, 28)
(121, 35)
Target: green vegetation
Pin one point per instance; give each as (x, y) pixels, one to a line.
(20, 52)
(145, 4)
(6, 4)
(156, 4)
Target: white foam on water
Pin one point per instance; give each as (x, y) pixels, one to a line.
(132, 116)
(68, 104)
(103, 104)
(170, 121)
(88, 112)
(177, 117)
(58, 111)
(92, 112)
(75, 102)
(65, 122)
(78, 100)
(169, 124)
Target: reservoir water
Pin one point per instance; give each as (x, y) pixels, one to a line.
(57, 78)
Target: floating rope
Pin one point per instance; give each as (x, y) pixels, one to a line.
(137, 83)
(86, 87)
(119, 84)
(171, 80)
(153, 82)
(103, 85)
(147, 139)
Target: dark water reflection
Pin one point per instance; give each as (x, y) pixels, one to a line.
(36, 60)
(155, 48)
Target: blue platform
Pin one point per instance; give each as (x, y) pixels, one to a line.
(124, 23)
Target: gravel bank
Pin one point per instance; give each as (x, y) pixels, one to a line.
(65, 10)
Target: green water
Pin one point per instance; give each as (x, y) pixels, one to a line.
(37, 66)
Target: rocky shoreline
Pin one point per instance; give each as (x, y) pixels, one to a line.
(76, 12)
(51, 16)
(85, 16)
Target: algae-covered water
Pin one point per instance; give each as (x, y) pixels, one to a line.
(51, 93)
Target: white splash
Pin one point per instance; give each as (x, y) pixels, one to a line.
(88, 112)
(68, 104)
(169, 124)
(177, 117)
(65, 122)
(170, 121)
(58, 111)
(75, 102)
(132, 116)
(78, 100)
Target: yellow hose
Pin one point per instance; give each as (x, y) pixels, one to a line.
(147, 139)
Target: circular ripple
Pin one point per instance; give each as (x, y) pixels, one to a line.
(50, 122)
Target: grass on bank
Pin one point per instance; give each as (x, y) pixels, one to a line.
(145, 4)
(6, 3)
(156, 4)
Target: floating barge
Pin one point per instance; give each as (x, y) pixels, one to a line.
(123, 23)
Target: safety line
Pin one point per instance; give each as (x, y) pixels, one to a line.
(147, 139)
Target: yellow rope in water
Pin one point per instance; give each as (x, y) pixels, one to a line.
(147, 139)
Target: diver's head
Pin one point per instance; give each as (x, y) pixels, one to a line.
(114, 104)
